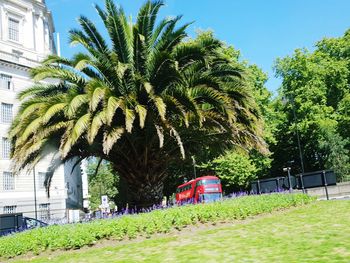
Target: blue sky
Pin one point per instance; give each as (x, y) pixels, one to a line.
(261, 29)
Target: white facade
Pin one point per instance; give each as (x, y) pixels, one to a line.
(26, 37)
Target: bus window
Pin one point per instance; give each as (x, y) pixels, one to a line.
(213, 181)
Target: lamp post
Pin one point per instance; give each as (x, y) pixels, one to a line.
(194, 167)
(286, 99)
(287, 169)
(36, 211)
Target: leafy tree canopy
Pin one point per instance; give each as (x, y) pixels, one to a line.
(316, 85)
(234, 169)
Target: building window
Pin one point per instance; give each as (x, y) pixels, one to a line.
(13, 29)
(5, 81)
(44, 211)
(10, 209)
(8, 181)
(6, 147)
(41, 180)
(6, 112)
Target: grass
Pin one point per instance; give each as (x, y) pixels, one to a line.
(317, 232)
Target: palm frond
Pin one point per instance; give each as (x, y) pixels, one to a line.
(30, 129)
(53, 111)
(46, 72)
(94, 36)
(111, 137)
(142, 112)
(97, 96)
(97, 122)
(161, 107)
(73, 134)
(80, 61)
(129, 119)
(146, 18)
(160, 133)
(42, 90)
(55, 59)
(112, 105)
(174, 133)
(77, 102)
(118, 29)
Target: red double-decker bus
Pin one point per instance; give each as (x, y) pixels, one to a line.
(202, 189)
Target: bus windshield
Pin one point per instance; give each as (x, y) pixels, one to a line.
(211, 197)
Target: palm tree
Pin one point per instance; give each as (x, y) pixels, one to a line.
(140, 100)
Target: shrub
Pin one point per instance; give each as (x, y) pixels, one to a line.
(130, 226)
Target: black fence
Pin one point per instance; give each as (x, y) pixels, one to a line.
(316, 179)
(300, 181)
(10, 223)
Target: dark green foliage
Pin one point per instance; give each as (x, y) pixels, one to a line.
(159, 221)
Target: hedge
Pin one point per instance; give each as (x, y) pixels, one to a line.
(74, 236)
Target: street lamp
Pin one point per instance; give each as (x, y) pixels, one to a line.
(194, 166)
(286, 99)
(36, 210)
(287, 169)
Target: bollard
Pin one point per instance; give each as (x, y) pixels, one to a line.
(325, 183)
(302, 183)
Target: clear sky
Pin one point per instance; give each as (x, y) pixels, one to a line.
(261, 29)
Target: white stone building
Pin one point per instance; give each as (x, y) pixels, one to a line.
(26, 37)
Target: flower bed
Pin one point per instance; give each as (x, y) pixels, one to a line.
(75, 236)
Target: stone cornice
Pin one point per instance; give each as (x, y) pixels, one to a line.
(14, 65)
(19, 4)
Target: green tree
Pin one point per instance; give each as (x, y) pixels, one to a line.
(316, 86)
(141, 99)
(102, 181)
(235, 169)
(257, 79)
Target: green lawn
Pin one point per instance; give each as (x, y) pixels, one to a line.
(318, 232)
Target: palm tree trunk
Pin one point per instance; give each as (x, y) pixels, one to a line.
(144, 186)
(145, 195)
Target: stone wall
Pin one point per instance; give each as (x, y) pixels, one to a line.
(334, 191)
